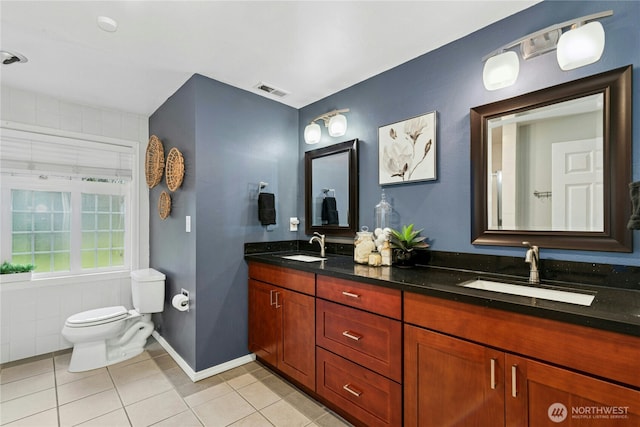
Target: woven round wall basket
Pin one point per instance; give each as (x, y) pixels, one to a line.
(174, 172)
(154, 161)
(164, 205)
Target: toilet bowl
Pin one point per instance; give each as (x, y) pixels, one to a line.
(109, 335)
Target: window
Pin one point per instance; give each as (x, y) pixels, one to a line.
(69, 211)
(41, 229)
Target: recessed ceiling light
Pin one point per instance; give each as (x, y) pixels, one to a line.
(107, 24)
(8, 58)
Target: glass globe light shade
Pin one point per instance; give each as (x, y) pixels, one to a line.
(501, 70)
(312, 133)
(581, 46)
(338, 125)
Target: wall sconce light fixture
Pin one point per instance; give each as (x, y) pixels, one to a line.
(581, 45)
(334, 121)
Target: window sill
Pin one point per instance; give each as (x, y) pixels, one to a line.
(42, 282)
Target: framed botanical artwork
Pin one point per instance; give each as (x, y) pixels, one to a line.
(407, 150)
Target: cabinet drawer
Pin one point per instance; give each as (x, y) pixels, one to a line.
(294, 280)
(377, 299)
(559, 343)
(365, 338)
(369, 397)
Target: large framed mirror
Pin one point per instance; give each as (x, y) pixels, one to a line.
(331, 189)
(553, 166)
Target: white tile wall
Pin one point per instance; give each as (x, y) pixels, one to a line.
(32, 314)
(31, 108)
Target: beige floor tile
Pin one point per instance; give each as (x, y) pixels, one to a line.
(61, 361)
(25, 406)
(26, 386)
(224, 410)
(117, 418)
(306, 405)
(84, 387)
(25, 370)
(278, 385)
(66, 377)
(63, 376)
(254, 420)
(89, 408)
(331, 420)
(208, 394)
(183, 419)
(139, 358)
(258, 395)
(242, 381)
(141, 389)
(165, 362)
(282, 414)
(156, 408)
(48, 418)
(133, 372)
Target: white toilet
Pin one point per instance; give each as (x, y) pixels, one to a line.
(109, 335)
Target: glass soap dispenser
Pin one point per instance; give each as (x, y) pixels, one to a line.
(383, 219)
(383, 213)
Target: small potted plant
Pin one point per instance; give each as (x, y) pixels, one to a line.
(404, 244)
(10, 272)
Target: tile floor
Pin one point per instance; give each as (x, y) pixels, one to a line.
(151, 389)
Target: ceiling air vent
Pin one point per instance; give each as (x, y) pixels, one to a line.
(265, 87)
(9, 58)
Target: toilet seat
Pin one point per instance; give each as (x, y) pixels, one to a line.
(97, 316)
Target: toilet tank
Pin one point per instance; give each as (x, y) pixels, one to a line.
(147, 290)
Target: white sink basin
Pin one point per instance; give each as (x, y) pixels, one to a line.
(303, 258)
(531, 291)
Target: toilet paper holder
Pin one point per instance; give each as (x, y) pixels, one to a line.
(181, 301)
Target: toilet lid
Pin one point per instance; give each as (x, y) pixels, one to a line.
(97, 316)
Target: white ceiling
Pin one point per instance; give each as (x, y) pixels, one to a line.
(311, 49)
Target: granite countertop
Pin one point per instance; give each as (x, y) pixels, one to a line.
(613, 309)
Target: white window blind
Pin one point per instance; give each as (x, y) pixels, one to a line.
(45, 154)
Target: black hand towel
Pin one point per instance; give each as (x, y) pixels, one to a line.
(634, 192)
(329, 211)
(267, 208)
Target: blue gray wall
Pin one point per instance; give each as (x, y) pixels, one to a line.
(449, 81)
(231, 140)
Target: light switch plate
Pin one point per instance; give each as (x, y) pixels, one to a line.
(187, 224)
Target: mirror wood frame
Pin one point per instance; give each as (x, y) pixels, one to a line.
(615, 85)
(350, 147)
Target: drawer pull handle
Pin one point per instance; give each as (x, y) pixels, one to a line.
(351, 335)
(271, 297)
(348, 388)
(493, 374)
(350, 294)
(277, 303)
(514, 381)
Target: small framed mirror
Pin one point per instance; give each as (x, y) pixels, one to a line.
(331, 189)
(553, 166)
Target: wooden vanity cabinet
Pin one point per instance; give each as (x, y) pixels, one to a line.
(451, 381)
(359, 350)
(282, 320)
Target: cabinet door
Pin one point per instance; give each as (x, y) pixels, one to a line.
(296, 356)
(263, 321)
(450, 382)
(542, 395)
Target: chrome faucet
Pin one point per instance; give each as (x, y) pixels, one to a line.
(533, 258)
(317, 237)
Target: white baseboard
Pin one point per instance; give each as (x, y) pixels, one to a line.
(197, 376)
